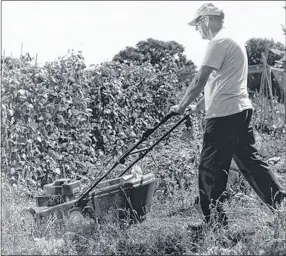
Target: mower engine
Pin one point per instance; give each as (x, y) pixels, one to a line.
(58, 192)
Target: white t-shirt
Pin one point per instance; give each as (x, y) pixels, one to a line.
(226, 90)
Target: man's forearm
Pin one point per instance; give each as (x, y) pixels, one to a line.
(193, 91)
(201, 104)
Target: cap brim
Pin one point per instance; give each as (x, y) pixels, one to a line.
(193, 21)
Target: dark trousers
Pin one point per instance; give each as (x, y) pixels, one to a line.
(226, 138)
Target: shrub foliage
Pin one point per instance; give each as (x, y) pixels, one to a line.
(63, 119)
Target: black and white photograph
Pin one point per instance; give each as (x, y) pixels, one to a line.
(143, 127)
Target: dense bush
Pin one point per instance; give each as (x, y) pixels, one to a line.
(63, 119)
(45, 119)
(126, 99)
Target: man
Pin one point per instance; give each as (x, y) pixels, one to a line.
(228, 133)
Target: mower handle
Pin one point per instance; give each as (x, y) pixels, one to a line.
(149, 131)
(122, 158)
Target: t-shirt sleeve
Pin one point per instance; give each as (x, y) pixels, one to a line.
(215, 53)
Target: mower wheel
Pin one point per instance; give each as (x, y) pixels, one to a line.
(75, 216)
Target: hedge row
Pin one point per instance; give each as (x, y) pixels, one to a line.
(63, 119)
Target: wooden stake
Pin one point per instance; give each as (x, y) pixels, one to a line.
(21, 50)
(269, 87)
(262, 81)
(270, 93)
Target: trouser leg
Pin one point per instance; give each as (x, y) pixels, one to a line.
(255, 170)
(220, 140)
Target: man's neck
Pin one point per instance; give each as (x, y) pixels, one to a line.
(214, 32)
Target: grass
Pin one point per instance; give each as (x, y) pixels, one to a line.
(253, 228)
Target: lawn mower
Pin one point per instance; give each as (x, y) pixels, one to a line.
(130, 194)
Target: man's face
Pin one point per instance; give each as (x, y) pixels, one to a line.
(201, 27)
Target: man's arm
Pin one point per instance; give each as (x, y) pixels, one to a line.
(200, 105)
(193, 91)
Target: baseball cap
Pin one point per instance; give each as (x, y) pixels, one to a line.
(204, 10)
